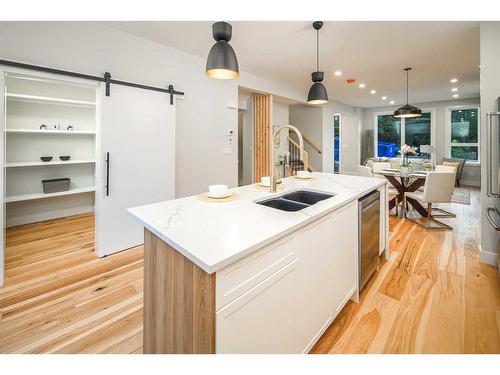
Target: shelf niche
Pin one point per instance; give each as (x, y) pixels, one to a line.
(30, 102)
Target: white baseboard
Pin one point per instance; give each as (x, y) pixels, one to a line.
(487, 257)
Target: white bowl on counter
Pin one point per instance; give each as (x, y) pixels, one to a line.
(265, 181)
(218, 191)
(303, 174)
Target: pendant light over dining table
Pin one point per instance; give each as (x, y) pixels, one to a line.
(317, 93)
(221, 61)
(408, 110)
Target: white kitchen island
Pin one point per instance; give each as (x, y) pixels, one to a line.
(239, 277)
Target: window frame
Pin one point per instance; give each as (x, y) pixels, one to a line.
(340, 141)
(432, 111)
(448, 132)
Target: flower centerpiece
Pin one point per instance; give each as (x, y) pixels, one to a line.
(405, 163)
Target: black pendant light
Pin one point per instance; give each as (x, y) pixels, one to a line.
(407, 111)
(317, 93)
(221, 61)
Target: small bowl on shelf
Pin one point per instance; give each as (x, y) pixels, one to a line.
(65, 157)
(45, 158)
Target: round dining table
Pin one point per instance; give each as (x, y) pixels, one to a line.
(405, 182)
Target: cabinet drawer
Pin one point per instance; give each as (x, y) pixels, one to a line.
(262, 319)
(237, 278)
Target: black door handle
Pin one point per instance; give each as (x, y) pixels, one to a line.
(107, 174)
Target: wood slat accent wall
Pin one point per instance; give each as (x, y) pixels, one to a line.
(179, 302)
(262, 125)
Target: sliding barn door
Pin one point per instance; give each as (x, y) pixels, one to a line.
(262, 120)
(138, 132)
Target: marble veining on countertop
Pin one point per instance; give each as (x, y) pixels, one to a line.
(214, 235)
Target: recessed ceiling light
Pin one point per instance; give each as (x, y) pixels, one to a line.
(391, 102)
(454, 89)
(373, 92)
(384, 97)
(455, 95)
(362, 85)
(454, 80)
(338, 73)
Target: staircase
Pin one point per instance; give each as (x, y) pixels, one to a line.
(294, 163)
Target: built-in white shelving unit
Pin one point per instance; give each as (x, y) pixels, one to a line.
(28, 197)
(47, 163)
(59, 105)
(45, 99)
(51, 132)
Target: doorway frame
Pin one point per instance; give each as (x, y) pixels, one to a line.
(4, 70)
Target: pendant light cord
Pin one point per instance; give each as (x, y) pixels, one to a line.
(317, 50)
(407, 86)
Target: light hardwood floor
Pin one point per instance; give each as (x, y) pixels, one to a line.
(432, 296)
(59, 297)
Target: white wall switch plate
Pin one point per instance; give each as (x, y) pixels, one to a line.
(227, 150)
(232, 104)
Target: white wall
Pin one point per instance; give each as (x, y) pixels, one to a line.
(472, 173)
(350, 132)
(246, 107)
(202, 117)
(241, 114)
(317, 123)
(490, 91)
(281, 116)
(309, 120)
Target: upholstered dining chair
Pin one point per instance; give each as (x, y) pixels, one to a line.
(379, 166)
(445, 168)
(438, 188)
(441, 168)
(459, 164)
(395, 162)
(366, 171)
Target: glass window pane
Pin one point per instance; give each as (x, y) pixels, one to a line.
(389, 136)
(465, 152)
(336, 144)
(418, 131)
(464, 125)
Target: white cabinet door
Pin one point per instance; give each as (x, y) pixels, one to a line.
(261, 320)
(345, 255)
(314, 275)
(138, 131)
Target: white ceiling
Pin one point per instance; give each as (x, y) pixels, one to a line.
(372, 52)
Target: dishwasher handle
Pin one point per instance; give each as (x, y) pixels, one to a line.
(370, 205)
(369, 199)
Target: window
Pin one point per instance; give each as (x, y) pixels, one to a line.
(388, 136)
(464, 133)
(336, 143)
(391, 133)
(418, 131)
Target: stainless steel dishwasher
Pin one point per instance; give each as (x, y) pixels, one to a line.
(369, 236)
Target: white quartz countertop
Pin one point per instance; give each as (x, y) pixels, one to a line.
(216, 234)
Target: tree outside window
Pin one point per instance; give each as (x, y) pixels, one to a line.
(464, 142)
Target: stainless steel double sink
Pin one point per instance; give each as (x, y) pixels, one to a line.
(295, 201)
